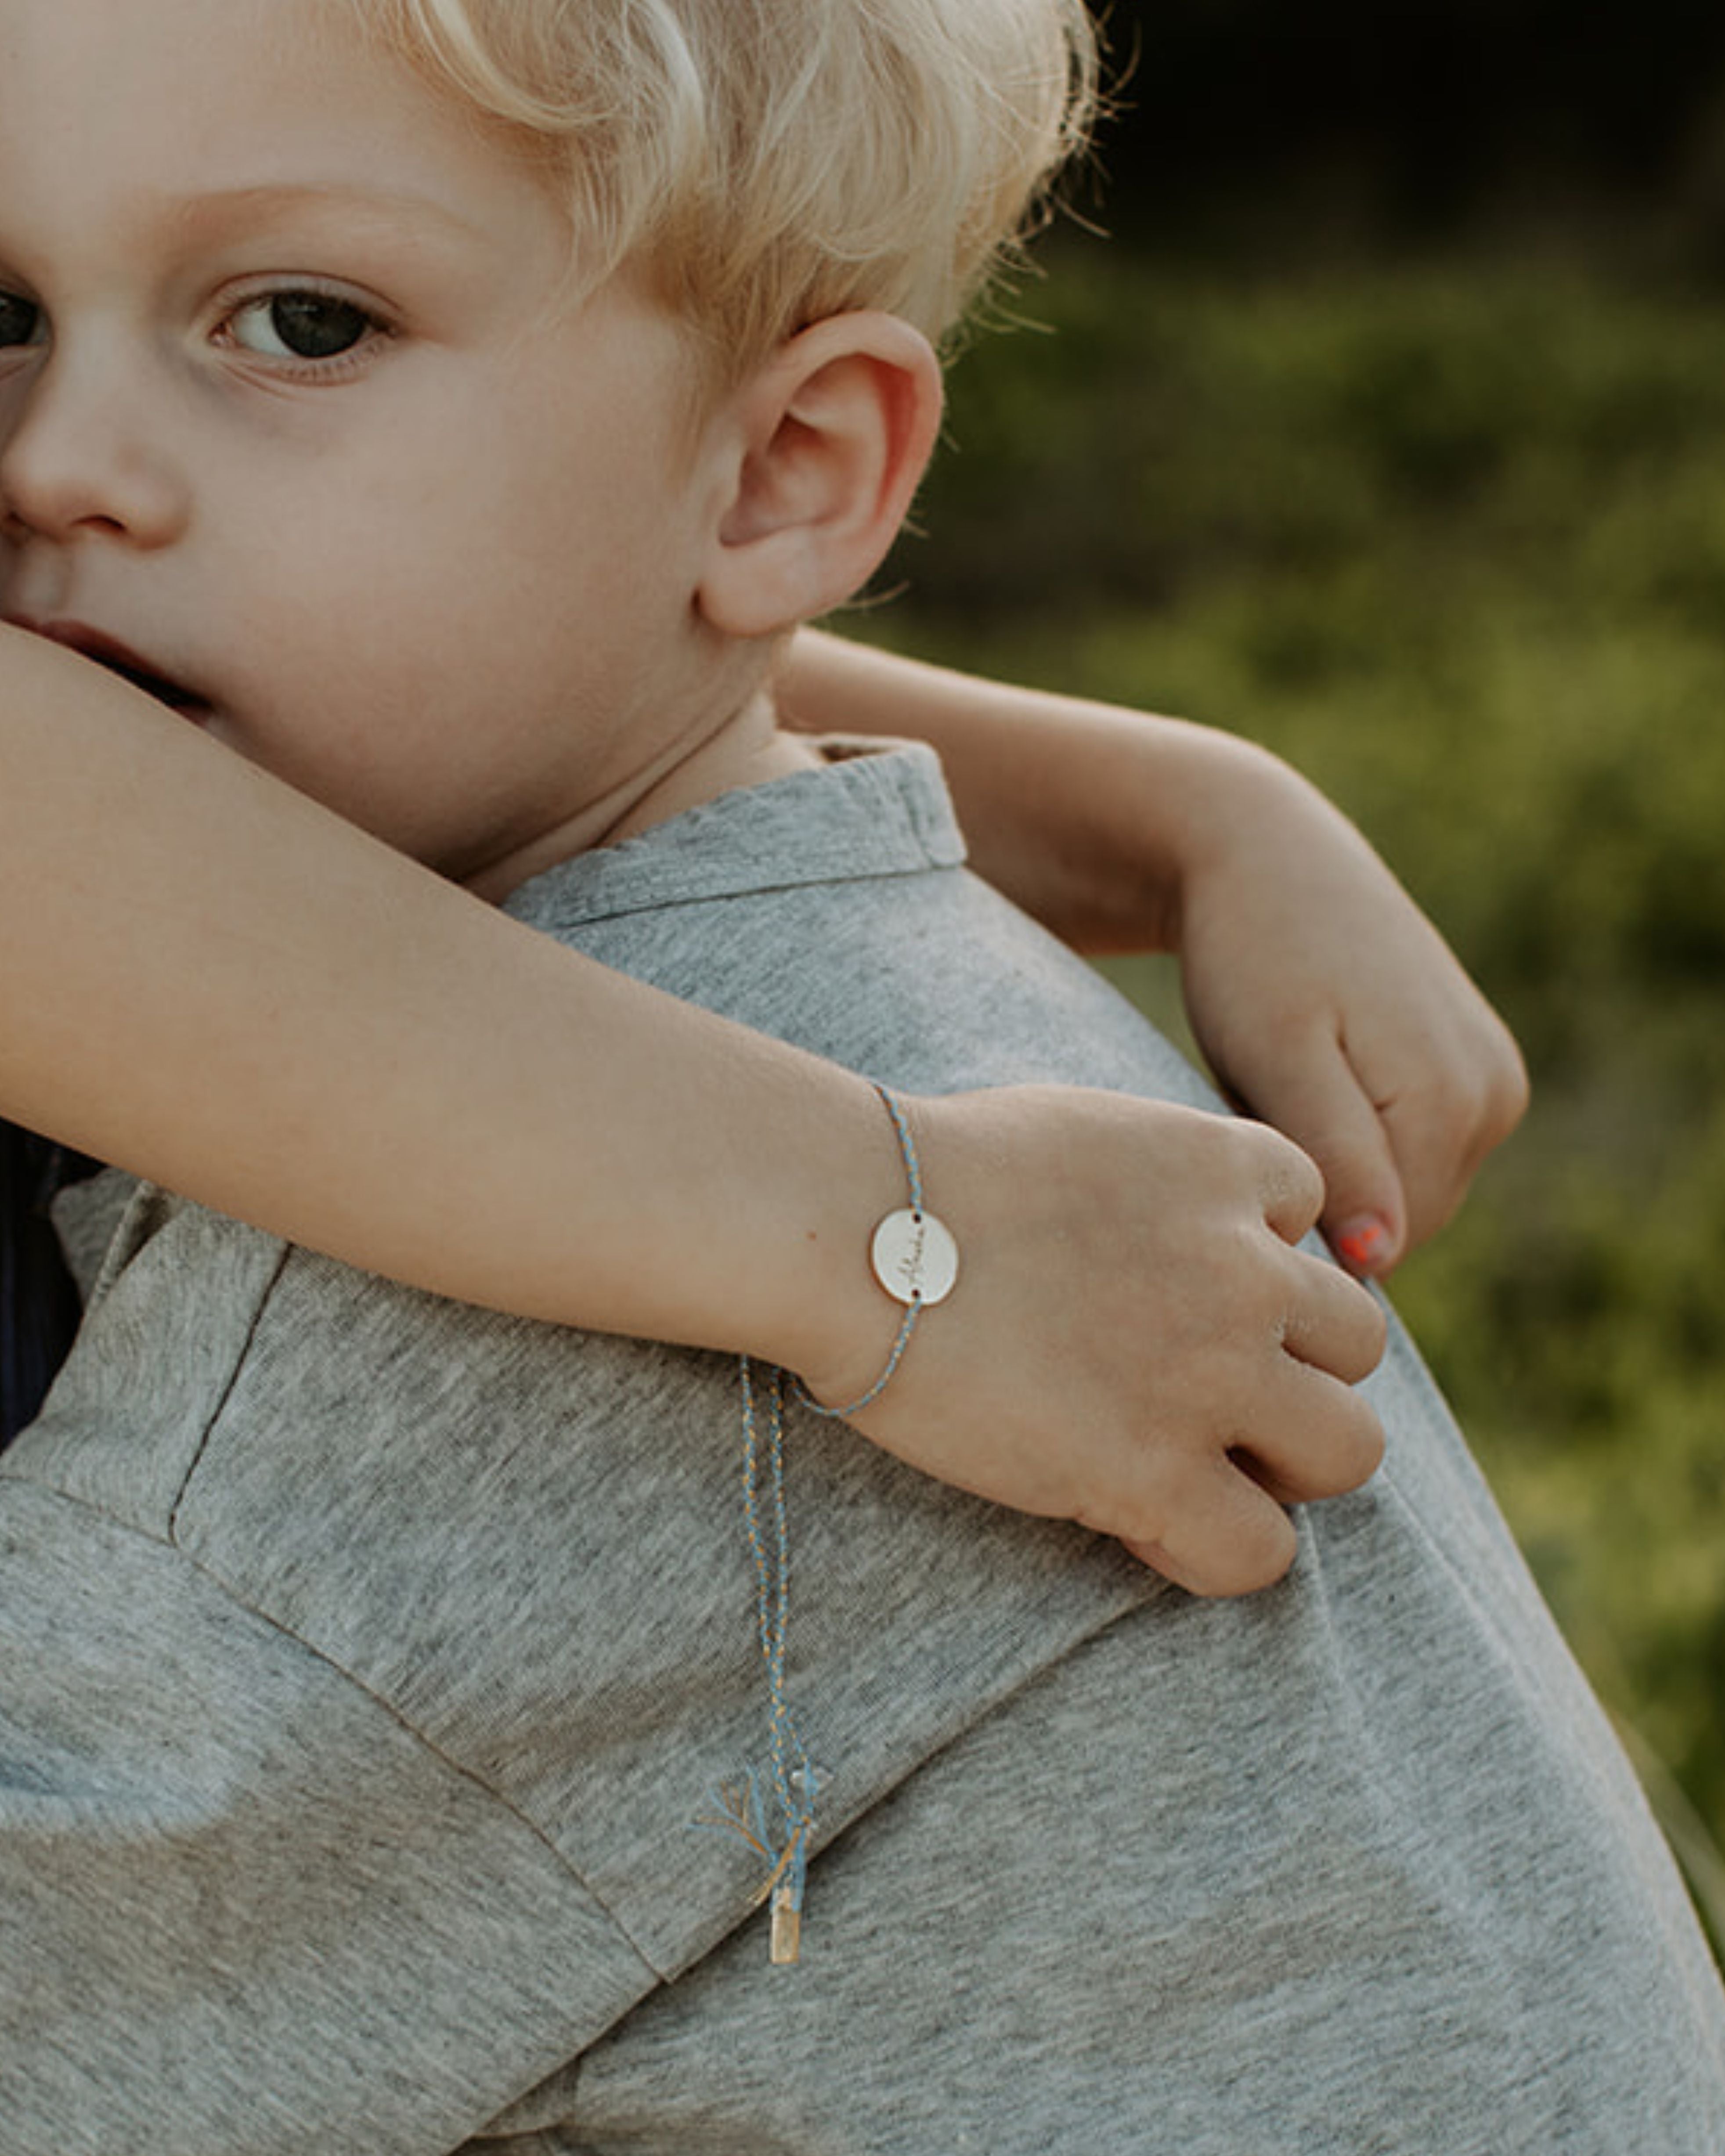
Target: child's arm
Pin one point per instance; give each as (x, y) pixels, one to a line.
(1324, 1000)
(210, 980)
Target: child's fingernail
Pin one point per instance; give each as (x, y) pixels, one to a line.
(1364, 1244)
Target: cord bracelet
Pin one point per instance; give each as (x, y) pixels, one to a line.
(915, 1258)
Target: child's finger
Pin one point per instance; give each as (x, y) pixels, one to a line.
(1333, 1323)
(1290, 1187)
(1441, 1128)
(1299, 1435)
(1229, 1536)
(1318, 1099)
(1321, 1439)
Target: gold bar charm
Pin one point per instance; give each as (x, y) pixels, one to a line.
(786, 1930)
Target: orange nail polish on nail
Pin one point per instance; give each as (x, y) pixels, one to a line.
(1364, 1243)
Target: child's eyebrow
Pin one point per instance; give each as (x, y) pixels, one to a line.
(363, 210)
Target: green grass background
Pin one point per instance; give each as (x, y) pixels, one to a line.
(1450, 535)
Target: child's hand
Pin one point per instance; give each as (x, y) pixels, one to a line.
(1327, 1004)
(1323, 998)
(1134, 1342)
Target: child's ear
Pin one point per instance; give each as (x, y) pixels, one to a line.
(826, 445)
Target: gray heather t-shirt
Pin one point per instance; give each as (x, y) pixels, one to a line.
(365, 1661)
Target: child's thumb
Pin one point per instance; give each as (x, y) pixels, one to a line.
(1365, 1214)
(1320, 1103)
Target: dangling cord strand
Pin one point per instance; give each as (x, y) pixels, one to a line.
(793, 1776)
(915, 1260)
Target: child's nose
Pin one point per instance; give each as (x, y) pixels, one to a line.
(79, 459)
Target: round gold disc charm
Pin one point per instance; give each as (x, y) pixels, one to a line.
(915, 1257)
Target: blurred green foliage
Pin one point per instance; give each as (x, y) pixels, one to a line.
(1452, 537)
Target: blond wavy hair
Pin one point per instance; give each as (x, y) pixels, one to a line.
(771, 162)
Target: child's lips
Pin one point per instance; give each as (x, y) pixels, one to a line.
(119, 659)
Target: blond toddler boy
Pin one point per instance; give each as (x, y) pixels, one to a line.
(517, 375)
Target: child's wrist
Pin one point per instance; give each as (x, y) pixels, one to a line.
(838, 1329)
(914, 1258)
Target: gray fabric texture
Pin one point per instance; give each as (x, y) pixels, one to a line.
(367, 1660)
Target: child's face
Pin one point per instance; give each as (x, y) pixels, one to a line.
(294, 424)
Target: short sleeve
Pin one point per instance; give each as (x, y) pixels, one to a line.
(245, 1909)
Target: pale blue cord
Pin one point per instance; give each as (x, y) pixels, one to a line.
(772, 1583)
(795, 1781)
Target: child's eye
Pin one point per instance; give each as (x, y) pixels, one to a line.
(301, 325)
(21, 321)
